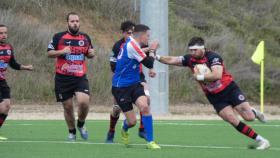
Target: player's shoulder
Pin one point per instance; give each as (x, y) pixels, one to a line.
(119, 42)
(212, 55)
(187, 57)
(84, 34)
(59, 34)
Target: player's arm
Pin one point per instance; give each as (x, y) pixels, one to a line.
(52, 48)
(15, 65)
(91, 50)
(148, 62)
(215, 74)
(170, 60)
(91, 53)
(56, 53)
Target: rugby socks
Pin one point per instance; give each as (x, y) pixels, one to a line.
(246, 130)
(2, 119)
(125, 125)
(73, 131)
(80, 124)
(113, 122)
(141, 127)
(148, 126)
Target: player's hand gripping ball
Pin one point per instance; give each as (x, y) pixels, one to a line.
(201, 69)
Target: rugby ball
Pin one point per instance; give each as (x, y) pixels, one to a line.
(202, 69)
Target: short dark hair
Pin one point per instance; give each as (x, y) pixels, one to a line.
(127, 25)
(71, 13)
(2, 25)
(196, 41)
(141, 28)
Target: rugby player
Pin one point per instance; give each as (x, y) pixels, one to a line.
(126, 83)
(7, 58)
(70, 48)
(220, 89)
(127, 28)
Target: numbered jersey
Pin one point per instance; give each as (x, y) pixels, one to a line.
(73, 63)
(128, 64)
(210, 59)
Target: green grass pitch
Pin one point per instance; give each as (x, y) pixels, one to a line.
(197, 139)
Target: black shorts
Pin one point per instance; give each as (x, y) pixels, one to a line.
(230, 96)
(5, 92)
(142, 77)
(66, 86)
(126, 96)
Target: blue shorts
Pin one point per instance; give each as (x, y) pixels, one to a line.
(230, 96)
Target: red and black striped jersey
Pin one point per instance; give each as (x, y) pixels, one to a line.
(210, 59)
(7, 58)
(73, 63)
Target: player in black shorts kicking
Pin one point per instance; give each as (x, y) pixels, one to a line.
(71, 48)
(7, 58)
(219, 87)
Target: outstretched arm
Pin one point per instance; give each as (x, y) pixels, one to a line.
(15, 65)
(170, 60)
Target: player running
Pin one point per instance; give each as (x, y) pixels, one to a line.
(127, 29)
(6, 58)
(126, 84)
(220, 88)
(70, 48)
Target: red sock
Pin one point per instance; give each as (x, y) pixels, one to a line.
(246, 130)
(141, 126)
(113, 122)
(2, 119)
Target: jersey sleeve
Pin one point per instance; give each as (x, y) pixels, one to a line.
(185, 60)
(135, 51)
(215, 59)
(53, 43)
(115, 52)
(89, 41)
(13, 63)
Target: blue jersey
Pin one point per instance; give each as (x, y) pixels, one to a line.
(127, 67)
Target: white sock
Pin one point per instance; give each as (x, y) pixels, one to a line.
(259, 138)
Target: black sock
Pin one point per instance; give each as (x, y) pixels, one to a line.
(246, 130)
(2, 119)
(73, 131)
(80, 124)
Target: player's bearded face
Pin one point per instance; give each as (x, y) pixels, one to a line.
(197, 53)
(74, 24)
(3, 34)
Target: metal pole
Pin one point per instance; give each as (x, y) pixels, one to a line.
(154, 13)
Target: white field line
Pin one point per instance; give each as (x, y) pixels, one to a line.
(162, 123)
(163, 145)
(208, 124)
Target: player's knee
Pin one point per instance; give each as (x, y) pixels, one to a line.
(232, 119)
(83, 103)
(116, 111)
(132, 122)
(7, 106)
(250, 117)
(145, 109)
